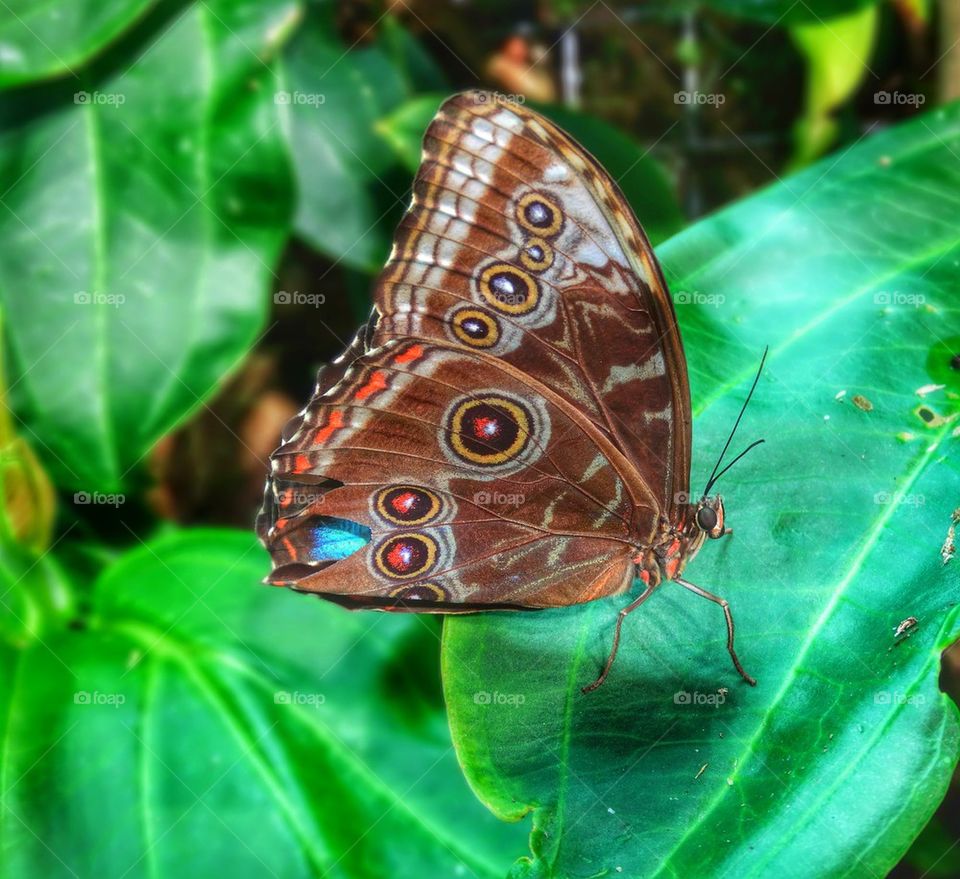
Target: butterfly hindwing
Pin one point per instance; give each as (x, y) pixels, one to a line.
(453, 482)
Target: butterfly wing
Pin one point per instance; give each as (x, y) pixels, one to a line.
(518, 244)
(522, 294)
(439, 478)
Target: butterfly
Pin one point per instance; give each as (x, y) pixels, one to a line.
(511, 429)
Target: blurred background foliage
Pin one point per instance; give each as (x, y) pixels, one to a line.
(195, 200)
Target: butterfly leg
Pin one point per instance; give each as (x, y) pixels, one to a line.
(716, 599)
(616, 638)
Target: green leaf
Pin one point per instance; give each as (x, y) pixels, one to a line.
(643, 180)
(837, 53)
(206, 724)
(40, 40)
(333, 95)
(141, 223)
(834, 762)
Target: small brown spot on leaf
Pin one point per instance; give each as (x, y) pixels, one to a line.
(906, 627)
(862, 402)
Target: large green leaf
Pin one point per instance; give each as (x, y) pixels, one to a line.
(204, 725)
(140, 222)
(39, 40)
(833, 763)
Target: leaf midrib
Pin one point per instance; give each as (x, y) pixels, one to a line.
(867, 545)
(741, 377)
(186, 655)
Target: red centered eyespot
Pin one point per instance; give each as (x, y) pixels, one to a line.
(485, 427)
(403, 503)
(407, 504)
(402, 556)
(406, 555)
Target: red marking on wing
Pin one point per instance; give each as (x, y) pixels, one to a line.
(290, 548)
(671, 567)
(301, 464)
(645, 576)
(280, 524)
(336, 421)
(378, 381)
(405, 502)
(412, 353)
(673, 548)
(485, 427)
(400, 557)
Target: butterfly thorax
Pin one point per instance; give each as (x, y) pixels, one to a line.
(676, 544)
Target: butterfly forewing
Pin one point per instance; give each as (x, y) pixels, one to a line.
(517, 243)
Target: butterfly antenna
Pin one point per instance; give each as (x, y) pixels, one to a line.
(715, 476)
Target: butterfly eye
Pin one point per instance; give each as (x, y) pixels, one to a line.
(706, 519)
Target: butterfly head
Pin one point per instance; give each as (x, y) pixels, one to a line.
(709, 516)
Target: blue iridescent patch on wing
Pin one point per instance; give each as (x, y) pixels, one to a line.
(335, 539)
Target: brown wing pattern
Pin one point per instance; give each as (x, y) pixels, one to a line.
(504, 200)
(514, 420)
(464, 485)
